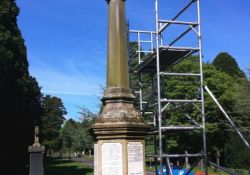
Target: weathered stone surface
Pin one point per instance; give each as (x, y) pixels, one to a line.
(119, 118)
(36, 160)
(36, 155)
(119, 121)
(119, 112)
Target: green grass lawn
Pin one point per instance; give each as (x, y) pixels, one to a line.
(53, 166)
(219, 172)
(65, 167)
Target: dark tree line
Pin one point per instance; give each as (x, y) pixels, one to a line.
(64, 137)
(22, 105)
(52, 121)
(20, 96)
(75, 136)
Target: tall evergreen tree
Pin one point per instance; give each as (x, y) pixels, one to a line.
(52, 121)
(238, 109)
(226, 63)
(19, 93)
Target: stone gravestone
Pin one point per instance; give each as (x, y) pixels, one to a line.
(187, 161)
(217, 160)
(36, 156)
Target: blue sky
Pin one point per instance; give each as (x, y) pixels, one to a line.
(67, 40)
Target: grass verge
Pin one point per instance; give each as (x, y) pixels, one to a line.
(55, 166)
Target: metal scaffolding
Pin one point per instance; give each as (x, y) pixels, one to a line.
(159, 60)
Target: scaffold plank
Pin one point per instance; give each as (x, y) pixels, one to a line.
(169, 56)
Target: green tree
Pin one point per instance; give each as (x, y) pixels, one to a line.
(87, 119)
(241, 117)
(226, 63)
(239, 111)
(188, 88)
(148, 88)
(20, 93)
(237, 155)
(218, 128)
(242, 107)
(68, 135)
(135, 78)
(75, 136)
(52, 121)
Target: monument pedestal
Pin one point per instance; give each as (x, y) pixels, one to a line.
(36, 160)
(119, 157)
(119, 133)
(119, 154)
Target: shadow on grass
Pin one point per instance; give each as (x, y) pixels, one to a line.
(55, 166)
(56, 161)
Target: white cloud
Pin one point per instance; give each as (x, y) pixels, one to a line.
(66, 80)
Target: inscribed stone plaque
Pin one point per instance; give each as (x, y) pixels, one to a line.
(95, 159)
(135, 158)
(112, 159)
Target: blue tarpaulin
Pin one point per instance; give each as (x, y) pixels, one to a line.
(176, 171)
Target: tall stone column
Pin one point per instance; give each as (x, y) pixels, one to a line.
(120, 130)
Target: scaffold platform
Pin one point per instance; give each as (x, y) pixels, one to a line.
(169, 56)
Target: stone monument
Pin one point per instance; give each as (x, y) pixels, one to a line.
(187, 161)
(120, 130)
(36, 156)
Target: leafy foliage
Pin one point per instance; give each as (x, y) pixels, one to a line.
(87, 119)
(144, 80)
(226, 63)
(220, 78)
(237, 155)
(52, 121)
(68, 134)
(20, 93)
(241, 110)
(75, 136)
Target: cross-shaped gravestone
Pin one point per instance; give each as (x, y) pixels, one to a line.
(36, 155)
